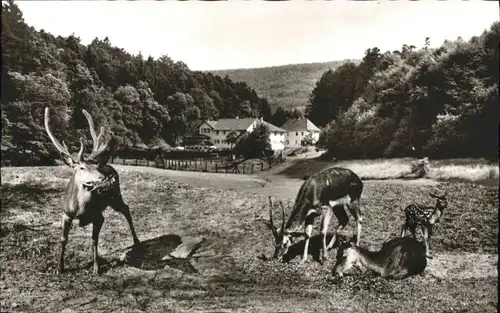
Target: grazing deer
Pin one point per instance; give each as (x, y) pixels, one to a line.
(93, 187)
(398, 258)
(418, 215)
(331, 191)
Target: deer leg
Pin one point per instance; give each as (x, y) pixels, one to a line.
(96, 229)
(403, 229)
(66, 226)
(425, 233)
(413, 231)
(343, 219)
(124, 209)
(308, 233)
(315, 199)
(356, 213)
(325, 223)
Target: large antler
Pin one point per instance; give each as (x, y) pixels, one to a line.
(271, 223)
(282, 216)
(98, 148)
(63, 149)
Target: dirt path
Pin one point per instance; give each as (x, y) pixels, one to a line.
(200, 179)
(266, 183)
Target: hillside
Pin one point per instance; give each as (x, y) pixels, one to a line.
(287, 86)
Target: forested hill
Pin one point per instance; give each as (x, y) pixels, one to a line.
(440, 102)
(143, 100)
(286, 86)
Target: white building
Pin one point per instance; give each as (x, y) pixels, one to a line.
(298, 129)
(218, 131)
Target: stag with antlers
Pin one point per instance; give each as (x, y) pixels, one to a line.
(418, 215)
(331, 191)
(94, 185)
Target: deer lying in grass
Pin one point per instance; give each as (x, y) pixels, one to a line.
(331, 191)
(93, 186)
(418, 215)
(398, 258)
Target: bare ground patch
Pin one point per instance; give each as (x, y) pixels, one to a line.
(463, 265)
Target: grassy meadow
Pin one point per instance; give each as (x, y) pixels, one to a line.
(232, 278)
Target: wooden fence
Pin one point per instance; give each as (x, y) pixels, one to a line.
(210, 166)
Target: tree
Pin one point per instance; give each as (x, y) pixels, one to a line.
(259, 140)
(254, 144)
(265, 110)
(205, 104)
(307, 141)
(279, 117)
(333, 94)
(232, 138)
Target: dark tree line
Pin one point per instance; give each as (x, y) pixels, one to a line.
(442, 102)
(280, 116)
(143, 100)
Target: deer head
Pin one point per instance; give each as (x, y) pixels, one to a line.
(346, 254)
(86, 169)
(282, 240)
(441, 201)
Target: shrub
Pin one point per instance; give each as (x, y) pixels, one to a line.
(307, 141)
(420, 168)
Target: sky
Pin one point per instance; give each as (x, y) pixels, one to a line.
(247, 34)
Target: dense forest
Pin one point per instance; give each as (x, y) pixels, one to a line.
(440, 103)
(144, 101)
(286, 87)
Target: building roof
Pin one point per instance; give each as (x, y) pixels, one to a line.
(212, 123)
(301, 124)
(232, 123)
(241, 124)
(193, 128)
(273, 128)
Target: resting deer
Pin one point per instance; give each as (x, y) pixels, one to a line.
(398, 258)
(331, 191)
(418, 215)
(93, 187)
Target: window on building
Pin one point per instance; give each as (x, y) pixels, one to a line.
(296, 134)
(302, 133)
(224, 132)
(217, 132)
